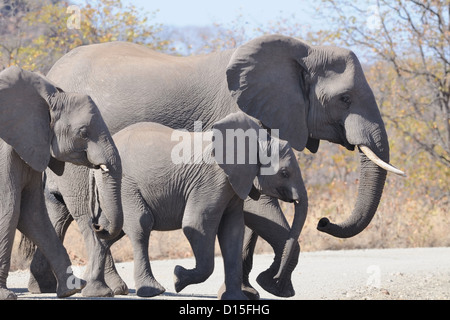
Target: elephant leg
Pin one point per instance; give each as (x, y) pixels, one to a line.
(250, 238)
(42, 279)
(95, 268)
(112, 277)
(35, 224)
(231, 235)
(138, 223)
(200, 228)
(70, 196)
(266, 218)
(9, 217)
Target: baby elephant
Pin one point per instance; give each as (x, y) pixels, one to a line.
(40, 126)
(199, 184)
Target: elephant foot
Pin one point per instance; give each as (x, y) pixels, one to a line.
(184, 277)
(278, 287)
(237, 295)
(42, 279)
(250, 292)
(97, 288)
(116, 283)
(42, 283)
(121, 290)
(180, 279)
(6, 294)
(70, 287)
(151, 288)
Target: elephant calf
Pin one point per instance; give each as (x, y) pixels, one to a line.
(40, 126)
(167, 187)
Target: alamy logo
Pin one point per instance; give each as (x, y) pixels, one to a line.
(235, 146)
(74, 20)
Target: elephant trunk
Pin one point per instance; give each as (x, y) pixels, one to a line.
(290, 247)
(105, 194)
(372, 179)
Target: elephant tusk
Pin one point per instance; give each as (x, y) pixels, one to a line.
(386, 166)
(104, 168)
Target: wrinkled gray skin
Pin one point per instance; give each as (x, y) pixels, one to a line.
(307, 92)
(202, 197)
(42, 126)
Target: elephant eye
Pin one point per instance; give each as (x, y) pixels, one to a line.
(83, 133)
(346, 99)
(284, 173)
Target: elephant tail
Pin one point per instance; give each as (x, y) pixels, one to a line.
(26, 247)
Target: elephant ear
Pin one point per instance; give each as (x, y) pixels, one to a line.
(25, 115)
(240, 164)
(266, 77)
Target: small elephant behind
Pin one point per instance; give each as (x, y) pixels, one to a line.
(199, 184)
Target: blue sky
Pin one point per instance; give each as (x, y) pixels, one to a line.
(255, 13)
(206, 12)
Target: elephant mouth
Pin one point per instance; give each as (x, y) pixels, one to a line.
(284, 195)
(348, 146)
(80, 158)
(103, 167)
(342, 140)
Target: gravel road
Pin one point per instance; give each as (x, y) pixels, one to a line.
(419, 273)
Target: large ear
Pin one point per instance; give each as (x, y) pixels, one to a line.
(239, 162)
(267, 77)
(25, 115)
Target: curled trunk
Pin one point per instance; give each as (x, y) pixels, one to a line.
(372, 179)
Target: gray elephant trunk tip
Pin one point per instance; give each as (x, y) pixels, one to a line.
(325, 225)
(97, 228)
(103, 232)
(322, 224)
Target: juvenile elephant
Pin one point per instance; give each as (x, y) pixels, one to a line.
(42, 126)
(307, 92)
(203, 193)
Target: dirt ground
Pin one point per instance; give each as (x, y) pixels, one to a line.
(382, 274)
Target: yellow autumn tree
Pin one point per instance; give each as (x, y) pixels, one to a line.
(405, 47)
(42, 31)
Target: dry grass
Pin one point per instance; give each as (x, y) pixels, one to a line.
(401, 221)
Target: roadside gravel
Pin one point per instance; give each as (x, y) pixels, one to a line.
(388, 274)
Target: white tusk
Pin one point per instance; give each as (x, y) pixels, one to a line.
(104, 168)
(386, 166)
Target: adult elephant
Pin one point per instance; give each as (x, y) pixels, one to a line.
(307, 92)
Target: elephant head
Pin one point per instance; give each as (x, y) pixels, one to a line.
(277, 175)
(311, 93)
(47, 127)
